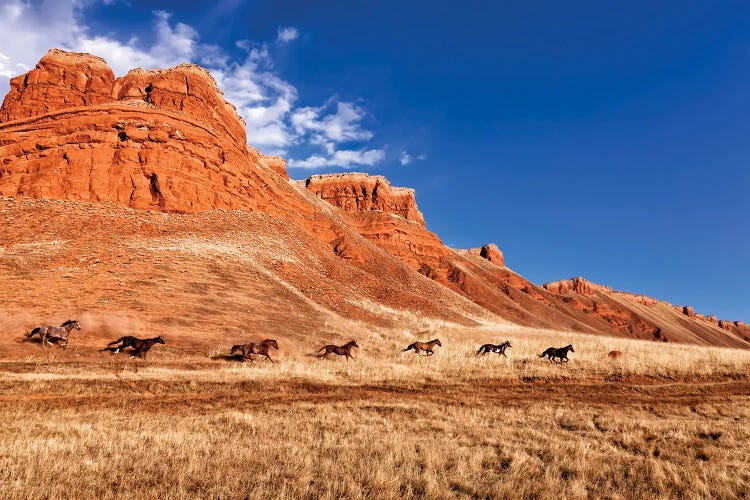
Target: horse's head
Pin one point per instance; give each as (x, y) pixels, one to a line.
(159, 340)
(507, 343)
(353, 343)
(72, 323)
(570, 346)
(271, 343)
(437, 342)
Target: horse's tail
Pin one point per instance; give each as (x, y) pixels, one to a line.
(33, 332)
(322, 348)
(481, 349)
(116, 341)
(411, 346)
(544, 353)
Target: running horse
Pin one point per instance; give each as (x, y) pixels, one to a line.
(424, 346)
(139, 346)
(55, 333)
(499, 349)
(341, 350)
(557, 352)
(247, 350)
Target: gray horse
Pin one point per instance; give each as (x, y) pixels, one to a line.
(55, 333)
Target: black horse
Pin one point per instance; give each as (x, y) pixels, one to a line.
(557, 352)
(140, 346)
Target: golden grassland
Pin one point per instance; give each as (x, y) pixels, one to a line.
(665, 421)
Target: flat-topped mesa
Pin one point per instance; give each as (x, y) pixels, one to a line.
(490, 252)
(578, 285)
(186, 88)
(60, 80)
(358, 192)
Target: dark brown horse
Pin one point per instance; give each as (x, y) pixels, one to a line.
(341, 350)
(499, 349)
(55, 333)
(424, 346)
(557, 352)
(140, 346)
(247, 350)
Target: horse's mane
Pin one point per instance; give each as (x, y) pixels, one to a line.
(69, 322)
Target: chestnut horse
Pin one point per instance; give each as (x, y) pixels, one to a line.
(140, 346)
(614, 355)
(500, 349)
(424, 346)
(341, 350)
(55, 333)
(557, 352)
(246, 350)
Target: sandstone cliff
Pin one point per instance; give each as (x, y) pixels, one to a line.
(356, 192)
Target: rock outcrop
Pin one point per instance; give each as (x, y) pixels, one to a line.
(578, 285)
(688, 311)
(161, 139)
(60, 80)
(357, 192)
(490, 252)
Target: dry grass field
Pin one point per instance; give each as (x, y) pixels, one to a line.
(665, 421)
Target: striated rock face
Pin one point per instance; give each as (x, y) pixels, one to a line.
(162, 139)
(60, 80)
(578, 285)
(356, 192)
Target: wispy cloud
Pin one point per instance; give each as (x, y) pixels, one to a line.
(406, 158)
(287, 34)
(266, 101)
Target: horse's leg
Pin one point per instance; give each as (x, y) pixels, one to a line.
(269, 358)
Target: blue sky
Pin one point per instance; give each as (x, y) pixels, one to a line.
(603, 139)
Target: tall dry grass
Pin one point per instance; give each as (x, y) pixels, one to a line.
(666, 421)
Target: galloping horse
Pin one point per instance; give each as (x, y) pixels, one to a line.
(55, 333)
(341, 350)
(424, 346)
(140, 346)
(557, 352)
(246, 350)
(499, 349)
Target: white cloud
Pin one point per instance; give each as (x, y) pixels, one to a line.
(343, 126)
(287, 34)
(267, 103)
(342, 159)
(407, 158)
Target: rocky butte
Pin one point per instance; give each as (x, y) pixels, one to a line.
(167, 144)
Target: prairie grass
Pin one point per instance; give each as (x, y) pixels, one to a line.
(665, 421)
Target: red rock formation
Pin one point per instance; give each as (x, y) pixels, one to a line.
(688, 311)
(490, 252)
(578, 285)
(162, 139)
(712, 319)
(726, 325)
(275, 163)
(356, 192)
(187, 89)
(60, 80)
